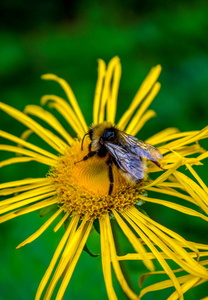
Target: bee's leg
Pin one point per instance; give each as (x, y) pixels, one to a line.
(90, 147)
(109, 162)
(157, 164)
(90, 154)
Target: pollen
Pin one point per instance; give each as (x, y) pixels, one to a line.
(82, 186)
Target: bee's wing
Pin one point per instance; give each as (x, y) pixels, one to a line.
(140, 148)
(127, 162)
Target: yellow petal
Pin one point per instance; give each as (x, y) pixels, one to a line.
(59, 249)
(67, 89)
(200, 181)
(166, 133)
(27, 195)
(112, 101)
(203, 156)
(37, 157)
(185, 287)
(6, 208)
(143, 91)
(28, 209)
(106, 93)
(117, 269)
(23, 143)
(165, 175)
(163, 240)
(35, 235)
(146, 235)
(70, 268)
(23, 182)
(175, 206)
(66, 111)
(143, 120)
(167, 188)
(46, 135)
(48, 118)
(162, 285)
(194, 136)
(98, 90)
(68, 255)
(196, 192)
(137, 256)
(15, 160)
(106, 259)
(18, 189)
(61, 222)
(133, 239)
(143, 107)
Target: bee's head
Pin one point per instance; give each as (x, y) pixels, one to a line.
(109, 135)
(101, 133)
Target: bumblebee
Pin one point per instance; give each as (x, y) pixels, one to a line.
(127, 152)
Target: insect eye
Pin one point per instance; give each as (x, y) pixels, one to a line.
(110, 136)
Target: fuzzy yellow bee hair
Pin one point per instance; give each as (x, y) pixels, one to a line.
(97, 131)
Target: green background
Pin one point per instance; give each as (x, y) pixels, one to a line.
(67, 38)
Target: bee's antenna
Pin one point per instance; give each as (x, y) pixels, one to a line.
(83, 140)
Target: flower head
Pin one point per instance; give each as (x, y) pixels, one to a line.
(88, 183)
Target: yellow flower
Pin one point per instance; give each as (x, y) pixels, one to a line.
(81, 190)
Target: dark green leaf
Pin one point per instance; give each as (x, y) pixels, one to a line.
(86, 249)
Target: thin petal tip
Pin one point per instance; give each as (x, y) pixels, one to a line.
(48, 76)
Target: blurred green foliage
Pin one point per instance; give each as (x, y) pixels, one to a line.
(66, 38)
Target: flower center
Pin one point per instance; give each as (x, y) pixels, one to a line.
(83, 186)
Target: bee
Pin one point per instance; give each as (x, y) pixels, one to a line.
(127, 152)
